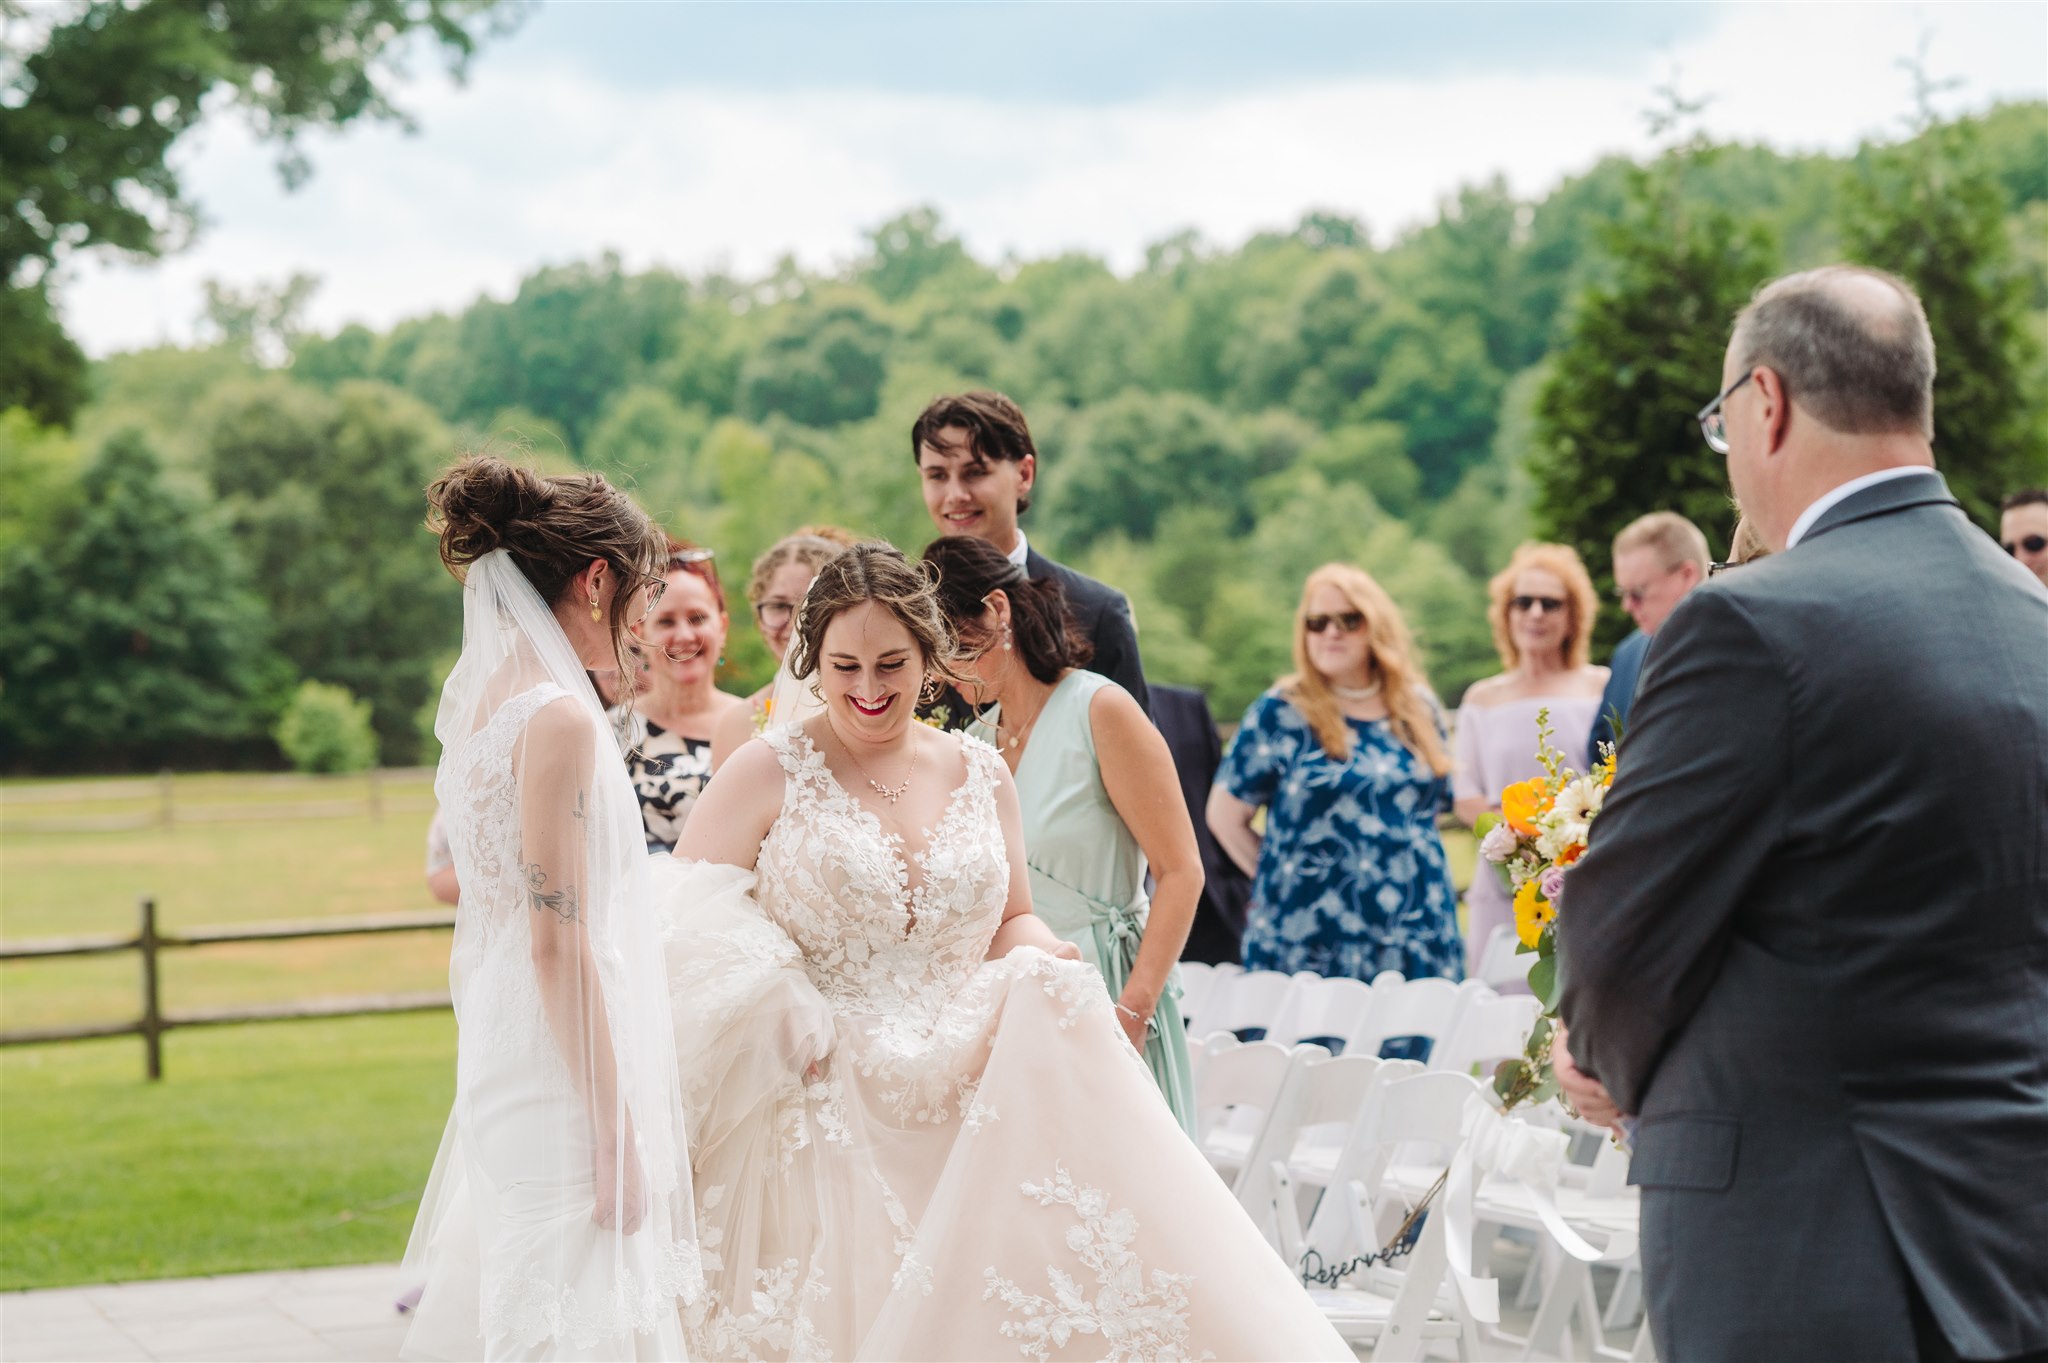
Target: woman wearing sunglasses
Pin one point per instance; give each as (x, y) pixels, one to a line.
(1541, 607)
(1347, 755)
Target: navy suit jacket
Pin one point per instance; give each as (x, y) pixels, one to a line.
(1623, 670)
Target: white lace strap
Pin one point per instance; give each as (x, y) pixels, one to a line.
(982, 763)
(801, 761)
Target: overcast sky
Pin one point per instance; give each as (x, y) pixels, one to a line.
(711, 135)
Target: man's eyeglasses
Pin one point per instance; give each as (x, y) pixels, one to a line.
(1348, 622)
(1712, 424)
(1550, 605)
(1632, 597)
(2033, 544)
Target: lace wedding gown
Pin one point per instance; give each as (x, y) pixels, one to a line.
(977, 1165)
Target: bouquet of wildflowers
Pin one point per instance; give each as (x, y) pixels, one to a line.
(1540, 831)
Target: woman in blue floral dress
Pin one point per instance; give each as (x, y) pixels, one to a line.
(1348, 757)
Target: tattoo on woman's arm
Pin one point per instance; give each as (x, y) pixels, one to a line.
(561, 903)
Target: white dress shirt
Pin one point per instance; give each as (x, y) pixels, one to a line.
(1023, 550)
(1845, 491)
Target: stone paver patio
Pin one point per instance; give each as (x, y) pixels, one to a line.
(309, 1313)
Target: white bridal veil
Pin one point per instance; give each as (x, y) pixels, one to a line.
(557, 1222)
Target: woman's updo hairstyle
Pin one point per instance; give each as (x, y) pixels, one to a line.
(968, 569)
(877, 571)
(552, 527)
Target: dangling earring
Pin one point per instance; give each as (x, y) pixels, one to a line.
(595, 612)
(1006, 638)
(929, 693)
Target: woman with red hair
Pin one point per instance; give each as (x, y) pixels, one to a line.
(1542, 607)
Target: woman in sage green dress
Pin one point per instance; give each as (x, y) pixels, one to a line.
(1100, 797)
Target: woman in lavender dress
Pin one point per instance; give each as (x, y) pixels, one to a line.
(1541, 607)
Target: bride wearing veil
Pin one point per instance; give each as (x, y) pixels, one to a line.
(557, 1223)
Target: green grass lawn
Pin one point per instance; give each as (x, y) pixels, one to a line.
(288, 1144)
(208, 874)
(279, 1145)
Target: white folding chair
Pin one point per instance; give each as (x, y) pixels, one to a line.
(1489, 1029)
(1253, 999)
(1196, 978)
(1501, 966)
(1318, 1107)
(1233, 1098)
(1403, 1007)
(1319, 1009)
(1401, 1311)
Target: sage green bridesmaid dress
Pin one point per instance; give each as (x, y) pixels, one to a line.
(1087, 872)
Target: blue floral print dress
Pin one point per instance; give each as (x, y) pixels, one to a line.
(1352, 878)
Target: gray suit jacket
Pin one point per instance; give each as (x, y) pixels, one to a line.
(1809, 945)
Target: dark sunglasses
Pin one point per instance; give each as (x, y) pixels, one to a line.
(1551, 605)
(1349, 622)
(2033, 544)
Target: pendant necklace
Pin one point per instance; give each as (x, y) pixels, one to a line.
(890, 793)
(1015, 737)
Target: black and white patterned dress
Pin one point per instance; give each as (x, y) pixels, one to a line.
(669, 772)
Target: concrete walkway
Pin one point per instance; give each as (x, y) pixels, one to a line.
(307, 1313)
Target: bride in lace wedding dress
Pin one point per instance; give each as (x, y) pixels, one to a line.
(916, 1131)
(557, 1221)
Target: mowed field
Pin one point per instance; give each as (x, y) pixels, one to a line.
(264, 1146)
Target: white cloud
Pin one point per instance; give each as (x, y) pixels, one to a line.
(534, 163)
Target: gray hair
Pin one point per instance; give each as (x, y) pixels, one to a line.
(1861, 363)
(1675, 539)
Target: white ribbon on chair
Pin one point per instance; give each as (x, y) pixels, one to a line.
(1511, 1149)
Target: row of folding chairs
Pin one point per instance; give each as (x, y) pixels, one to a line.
(1464, 1025)
(1328, 1153)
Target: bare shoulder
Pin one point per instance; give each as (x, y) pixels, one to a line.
(753, 765)
(1114, 710)
(1593, 679)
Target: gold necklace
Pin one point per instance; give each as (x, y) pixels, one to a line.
(1018, 734)
(890, 793)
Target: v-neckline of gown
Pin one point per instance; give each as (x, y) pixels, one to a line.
(892, 843)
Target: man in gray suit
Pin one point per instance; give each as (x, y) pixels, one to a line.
(1809, 945)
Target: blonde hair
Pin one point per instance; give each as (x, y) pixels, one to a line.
(1748, 545)
(1581, 604)
(806, 546)
(1676, 540)
(1411, 711)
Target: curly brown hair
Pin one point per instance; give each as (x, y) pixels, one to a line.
(877, 571)
(552, 527)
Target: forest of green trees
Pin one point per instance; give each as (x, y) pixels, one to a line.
(209, 526)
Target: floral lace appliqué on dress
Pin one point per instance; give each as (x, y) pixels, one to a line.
(850, 1211)
(1138, 1316)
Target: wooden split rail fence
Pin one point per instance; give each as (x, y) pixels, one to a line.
(152, 943)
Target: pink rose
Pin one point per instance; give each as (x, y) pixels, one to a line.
(1552, 884)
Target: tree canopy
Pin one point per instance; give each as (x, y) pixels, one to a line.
(1211, 426)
